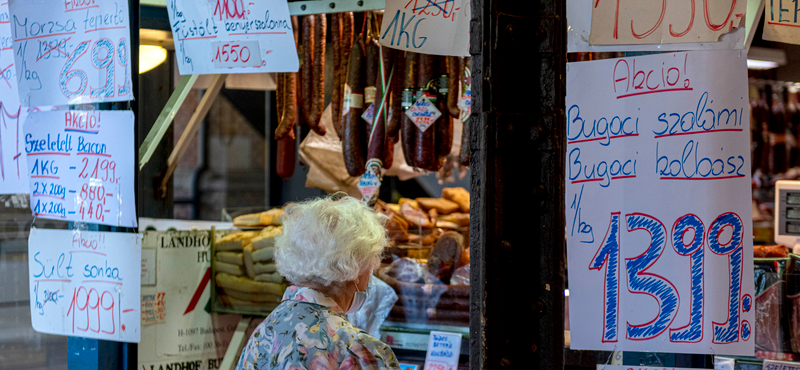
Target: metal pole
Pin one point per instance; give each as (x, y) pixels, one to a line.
(517, 144)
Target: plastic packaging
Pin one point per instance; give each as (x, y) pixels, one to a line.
(460, 276)
(380, 299)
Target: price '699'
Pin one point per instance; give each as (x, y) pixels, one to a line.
(688, 237)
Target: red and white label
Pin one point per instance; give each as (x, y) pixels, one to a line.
(423, 113)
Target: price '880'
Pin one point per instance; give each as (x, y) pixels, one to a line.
(665, 293)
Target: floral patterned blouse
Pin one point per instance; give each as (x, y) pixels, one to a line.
(309, 331)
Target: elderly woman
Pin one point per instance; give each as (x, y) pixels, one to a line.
(328, 250)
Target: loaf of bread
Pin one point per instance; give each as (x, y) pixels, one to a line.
(442, 206)
(228, 281)
(460, 219)
(252, 297)
(247, 257)
(229, 268)
(273, 277)
(446, 255)
(264, 254)
(271, 217)
(265, 268)
(457, 195)
(229, 257)
(411, 202)
(235, 241)
(266, 238)
(247, 305)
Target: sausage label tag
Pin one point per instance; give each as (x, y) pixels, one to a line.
(355, 101)
(369, 94)
(465, 104)
(368, 185)
(369, 114)
(423, 113)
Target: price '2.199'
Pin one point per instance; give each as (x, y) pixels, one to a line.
(642, 282)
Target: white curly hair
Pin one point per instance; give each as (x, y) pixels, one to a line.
(328, 240)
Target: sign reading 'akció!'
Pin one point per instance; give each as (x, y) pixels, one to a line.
(224, 36)
(427, 26)
(658, 204)
(85, 284)
(80, 165)
(71, 52)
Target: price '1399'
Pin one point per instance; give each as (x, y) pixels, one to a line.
(688, 237)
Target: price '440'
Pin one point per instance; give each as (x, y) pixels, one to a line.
(642, 282)
(102, 57)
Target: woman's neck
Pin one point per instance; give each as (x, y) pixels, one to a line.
(342, 293)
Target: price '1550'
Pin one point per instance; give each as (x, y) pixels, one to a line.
(688, 237)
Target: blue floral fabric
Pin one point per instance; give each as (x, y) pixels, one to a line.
(309, 331)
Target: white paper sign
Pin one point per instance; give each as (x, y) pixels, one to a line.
(13, 178)
(443, 351)
(71, 52)
(636, 367)
(81, 166)
(224, 36)
(85, 283)
(780, 365)
(579, 18)
(658, 204)
(780, 22)
(427, 26)
(179, 330)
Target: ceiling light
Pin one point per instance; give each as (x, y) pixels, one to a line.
(151, 56)
(761, 64)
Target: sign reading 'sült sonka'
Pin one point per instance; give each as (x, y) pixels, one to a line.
(659, 225)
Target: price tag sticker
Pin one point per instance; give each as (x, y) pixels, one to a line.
(368, 185)
(369, 114)
(233, 54)
(443, 351)
(465, 104)
(423, 113)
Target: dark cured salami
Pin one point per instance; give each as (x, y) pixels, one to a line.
(308, 66)
(424, 143)
(455, 68)
(395, 110)
(407, 128)
(318, 78)
(338, 73)
(444, 125)
(354, 135)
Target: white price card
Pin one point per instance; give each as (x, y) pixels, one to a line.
(81, 166)
(13, 175)
(232, 36)
(85, 283)
(71, 52)
(659, 224)
(427, 26)
(625, 22)
(780, 22)
(443, 351)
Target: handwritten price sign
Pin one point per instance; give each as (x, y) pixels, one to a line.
(444, 350)
(85, 284)
(780, 22)
(658, 204)
(13, 179)
(71, 52)
(80, 165)
(427, 26)
(663, 22)
(423, 113)
(232, 36)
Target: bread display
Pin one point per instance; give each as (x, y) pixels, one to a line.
(442, 206)
(245, 273)
(271, 217)
(457, 195)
